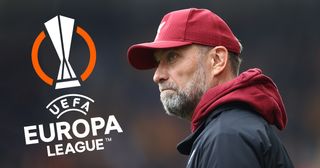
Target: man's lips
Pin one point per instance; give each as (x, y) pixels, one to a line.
(165, 89)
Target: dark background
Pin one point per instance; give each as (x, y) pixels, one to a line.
(280, 37)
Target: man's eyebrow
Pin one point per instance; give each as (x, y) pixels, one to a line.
(162, 53)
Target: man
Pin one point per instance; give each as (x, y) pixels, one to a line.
(196, 59)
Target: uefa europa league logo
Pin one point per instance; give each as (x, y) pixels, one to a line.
(82, 135)
(60, 30)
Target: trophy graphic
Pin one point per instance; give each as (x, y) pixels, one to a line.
(60, 30)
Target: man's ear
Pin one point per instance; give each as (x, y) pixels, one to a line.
(218, 59)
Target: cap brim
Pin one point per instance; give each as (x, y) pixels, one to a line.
(140, 56)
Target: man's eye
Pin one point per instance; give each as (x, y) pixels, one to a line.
(171, 57)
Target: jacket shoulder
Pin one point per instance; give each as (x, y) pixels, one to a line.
(241, 126)
(237, 137)
(236, 121)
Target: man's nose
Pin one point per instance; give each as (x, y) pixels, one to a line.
(160, 74)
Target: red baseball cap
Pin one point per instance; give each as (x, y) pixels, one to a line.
(184, 27)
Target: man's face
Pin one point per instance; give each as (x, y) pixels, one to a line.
(181, 77)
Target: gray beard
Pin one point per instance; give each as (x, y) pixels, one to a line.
(182, 103)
